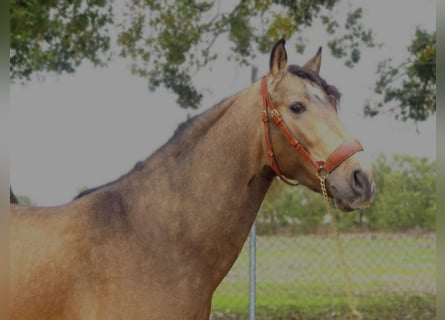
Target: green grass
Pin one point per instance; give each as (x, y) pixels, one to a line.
(301, 276)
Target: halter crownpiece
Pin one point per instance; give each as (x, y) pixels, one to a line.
(322, 168)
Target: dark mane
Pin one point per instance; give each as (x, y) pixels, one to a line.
(331, 91)
(187, 133)
(137, 166)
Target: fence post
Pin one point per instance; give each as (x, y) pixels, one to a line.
(252, 244)
(252, 272)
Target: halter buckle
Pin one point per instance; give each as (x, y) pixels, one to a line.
(276, 116)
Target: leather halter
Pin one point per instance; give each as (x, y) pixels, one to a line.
(322, 168)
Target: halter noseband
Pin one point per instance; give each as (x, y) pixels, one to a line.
(322, 168)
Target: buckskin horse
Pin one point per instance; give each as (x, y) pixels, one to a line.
(155, 243)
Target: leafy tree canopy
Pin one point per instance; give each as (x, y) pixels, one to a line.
(411, 85)
(169, 41)
(57, 35)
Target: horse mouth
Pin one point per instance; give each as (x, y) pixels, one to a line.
(350, 201)
(341, 205)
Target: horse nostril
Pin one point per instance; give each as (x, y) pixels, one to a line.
(360, 182)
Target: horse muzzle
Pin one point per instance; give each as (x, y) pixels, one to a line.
(355, 192)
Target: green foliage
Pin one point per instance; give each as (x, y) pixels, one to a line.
(292, 210)
(405, 195)
(412, 84)
(387, 306)
(82, 189)
(404, 200)
(25, 201)
(57, 35)
(171, 40)
(348, 45)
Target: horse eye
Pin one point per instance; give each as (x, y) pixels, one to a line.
(297, 107)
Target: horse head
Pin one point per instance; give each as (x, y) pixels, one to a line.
(306, 140)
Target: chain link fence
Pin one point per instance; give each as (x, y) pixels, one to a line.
(390, 249)
(299, 277)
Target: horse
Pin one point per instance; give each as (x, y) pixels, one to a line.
(157, 242)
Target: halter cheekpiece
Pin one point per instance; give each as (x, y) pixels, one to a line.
(321, 168)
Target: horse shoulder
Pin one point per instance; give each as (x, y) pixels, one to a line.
(47, 255)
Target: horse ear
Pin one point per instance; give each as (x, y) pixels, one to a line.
(278, 58)
(314, 63)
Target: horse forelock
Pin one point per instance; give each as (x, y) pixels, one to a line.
(330, 90)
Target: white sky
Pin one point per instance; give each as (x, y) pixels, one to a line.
(89, 128)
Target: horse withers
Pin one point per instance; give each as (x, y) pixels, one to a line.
(156, 243)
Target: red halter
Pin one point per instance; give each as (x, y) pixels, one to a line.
(340, 154)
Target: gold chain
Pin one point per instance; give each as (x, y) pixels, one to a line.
(355, 315)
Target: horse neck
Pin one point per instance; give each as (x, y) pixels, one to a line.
(203, 197)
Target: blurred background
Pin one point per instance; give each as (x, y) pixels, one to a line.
(98, 85)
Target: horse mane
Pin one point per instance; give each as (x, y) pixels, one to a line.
(188, 132)
(331, 91)
(137, 166)
(185, 136)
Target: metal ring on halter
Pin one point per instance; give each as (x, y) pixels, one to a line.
(322, 174)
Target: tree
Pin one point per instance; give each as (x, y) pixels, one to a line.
(405, 194)
(290, 210)
(411, 85)
(169, 41)
(405, 200)
(57, 35)
(25, 201)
